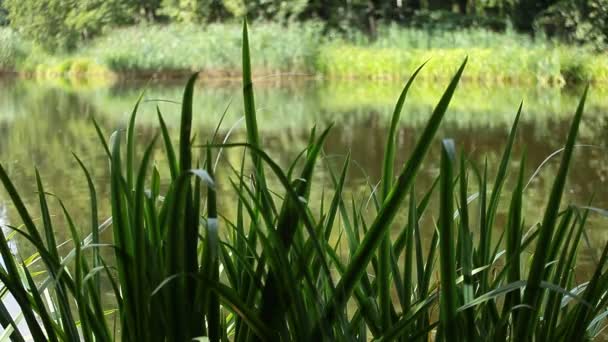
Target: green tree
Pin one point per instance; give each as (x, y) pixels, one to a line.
(579, 21)
(59, 24)
(193, 10)
(148, 9)
(526, 11)
(3, 14)
(275, 9)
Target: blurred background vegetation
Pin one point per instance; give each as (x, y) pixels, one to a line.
(550, 41)
(63, 24)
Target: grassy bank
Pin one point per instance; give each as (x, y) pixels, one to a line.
(302, 49)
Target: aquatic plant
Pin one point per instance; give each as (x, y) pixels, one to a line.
(277, 270)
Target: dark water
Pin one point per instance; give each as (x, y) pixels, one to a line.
(42, 124)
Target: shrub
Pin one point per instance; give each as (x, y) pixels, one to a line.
(59, 24)
(211, 48)
(577, 22)
(12, 49)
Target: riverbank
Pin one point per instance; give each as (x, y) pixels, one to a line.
(302, 50)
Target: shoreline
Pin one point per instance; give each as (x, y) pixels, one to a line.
(171, 77)
(302, 52)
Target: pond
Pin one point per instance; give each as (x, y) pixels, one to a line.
(41, 124)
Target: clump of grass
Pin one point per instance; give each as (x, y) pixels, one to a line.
(211, 50)
(495, 65)
(276, 269)
(396, 36)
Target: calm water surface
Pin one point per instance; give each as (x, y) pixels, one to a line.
(42, 124)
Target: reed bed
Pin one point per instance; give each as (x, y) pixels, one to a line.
(178, 268)
(306, 49)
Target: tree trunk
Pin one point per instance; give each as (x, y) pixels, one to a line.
(462, 6)
(370, 15)
(414, 5)
(526, 11)
(440, 5)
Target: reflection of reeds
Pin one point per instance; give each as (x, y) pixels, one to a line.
(301, 104)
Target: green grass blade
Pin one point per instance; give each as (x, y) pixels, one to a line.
(94, 224)
(368, 246)
(400, 242)
(212, 242)
(131, 144)
(22, 300)
(46, 219)
(486, 233)
(464, 249)
(100, 135)
(249, 102)
(67, 319)
(408, 267)
(10, 279)
(288, 222)
(185, 155)
(171, 158)
(513, 243)
(389, 154)
(337, 199)
(9, 325)
(141, 255)
(533, 293)
(122, 239)
(20, 207)
(447, 252)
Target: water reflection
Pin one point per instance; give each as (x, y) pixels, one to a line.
(41, 124)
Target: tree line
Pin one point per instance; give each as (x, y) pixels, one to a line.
(61, 24)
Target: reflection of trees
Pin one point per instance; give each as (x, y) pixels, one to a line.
(42, 125)
(301, 104)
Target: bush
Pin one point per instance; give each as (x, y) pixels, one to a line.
(577, 22)
(12, 49)
(212, 48)
(60, 24)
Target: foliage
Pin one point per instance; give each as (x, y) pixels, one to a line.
(192, 11)
(64, 23)
(213, 49)
(12, 49)
(58, 24)
(279, 270)
(582, 22)
(441, 20)
(503, 65)
(3, 15)
(302, 49)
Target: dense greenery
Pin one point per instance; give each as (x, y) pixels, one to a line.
(509, 40)
(577, 21)
(302, 50)
(281, 269)
(60, 24)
